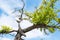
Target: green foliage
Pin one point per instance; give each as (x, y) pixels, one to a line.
(29, 14)
(45, 14)
(5, 29)
(58, 27)
(52, 30)
(58, 20)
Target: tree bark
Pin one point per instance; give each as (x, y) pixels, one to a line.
(34, 27)
(37, 26)
(17, 37)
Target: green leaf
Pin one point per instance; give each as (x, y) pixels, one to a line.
(58, 27)
(5, 29)
(52, 30)
(59, 20)
(57, 11)
(29, 14)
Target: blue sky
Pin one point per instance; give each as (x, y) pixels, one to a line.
(7, 17)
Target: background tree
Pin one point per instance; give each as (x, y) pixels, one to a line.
(43, 18)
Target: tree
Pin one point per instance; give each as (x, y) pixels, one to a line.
(43, 18)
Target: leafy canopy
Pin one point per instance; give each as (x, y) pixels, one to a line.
(5, 29)
(45, 14)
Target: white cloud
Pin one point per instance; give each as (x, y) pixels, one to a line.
(25, 24)
(4, 38)
(8, 20)
(9, 5)
(35, 33)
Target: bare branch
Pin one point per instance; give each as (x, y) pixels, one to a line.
(37, 26)
(22, 8)
(13, 31)
(20, 19)
(33, 27)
